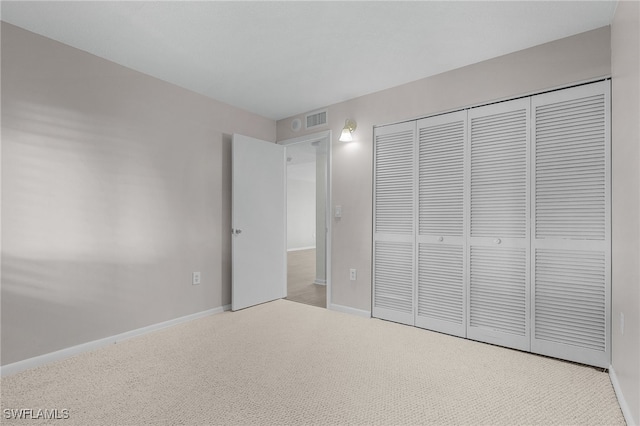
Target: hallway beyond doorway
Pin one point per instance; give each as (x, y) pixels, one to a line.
(300, 277)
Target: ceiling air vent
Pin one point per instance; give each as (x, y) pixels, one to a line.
(316, 119)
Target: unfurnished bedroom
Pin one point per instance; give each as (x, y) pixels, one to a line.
(300, 212)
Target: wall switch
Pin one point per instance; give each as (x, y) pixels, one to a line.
(352, 274)
(195, 278)
(337, 212)
(621, 323)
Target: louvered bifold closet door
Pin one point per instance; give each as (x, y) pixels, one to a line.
(498, 268)
(571, 230)
(393, 222)
(440, 298)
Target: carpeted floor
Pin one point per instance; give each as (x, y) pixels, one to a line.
(289, 363)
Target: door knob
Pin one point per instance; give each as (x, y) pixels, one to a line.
(440, 239)
(236, 231)
(497, 241)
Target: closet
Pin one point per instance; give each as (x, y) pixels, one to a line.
(493, 223)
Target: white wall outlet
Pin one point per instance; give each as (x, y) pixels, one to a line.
(353, 274)
(195, 278)
(621, 323)
(337, 211)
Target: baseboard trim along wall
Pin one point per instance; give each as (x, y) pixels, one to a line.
(349, 310)
(626, 411)
(37, 361)
(320, 282)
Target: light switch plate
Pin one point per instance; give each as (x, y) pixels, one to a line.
(195, 278)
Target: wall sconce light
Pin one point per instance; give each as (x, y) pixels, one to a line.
(349, 127)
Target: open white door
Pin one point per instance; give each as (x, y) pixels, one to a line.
(259, 270)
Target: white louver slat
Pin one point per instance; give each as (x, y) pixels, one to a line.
(498, 305)
(499, 174)
(441, 214)
(393, 281)
(441, 174)
(570, 297)
(394, 276)
(441, 288)
(394, 183)
(571, 224)
(393, 254)
(498, 289)
(570, 196)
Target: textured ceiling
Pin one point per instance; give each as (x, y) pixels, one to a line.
(278, 59)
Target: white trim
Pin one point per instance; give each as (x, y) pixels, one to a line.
(626, 411)
(307, 138)
(329, 218)
(301, 248)
(349, 310)
(320, 282)
(37, 361)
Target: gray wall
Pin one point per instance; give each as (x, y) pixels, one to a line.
(625, 70)
(573, 59)
(115, 187)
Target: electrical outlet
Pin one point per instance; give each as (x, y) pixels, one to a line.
(621, 323)
(195, 278)
(352, 274)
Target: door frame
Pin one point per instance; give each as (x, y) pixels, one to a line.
(325, 135)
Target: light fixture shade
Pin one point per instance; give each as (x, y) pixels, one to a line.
(349, 127)
(345, 136)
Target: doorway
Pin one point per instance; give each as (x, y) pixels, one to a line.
(308, 233)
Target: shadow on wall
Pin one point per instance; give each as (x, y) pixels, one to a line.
(48, 305)
(100, 221)
(226, 220)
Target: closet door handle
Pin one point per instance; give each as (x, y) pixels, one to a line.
(440, 239)
(497, 241)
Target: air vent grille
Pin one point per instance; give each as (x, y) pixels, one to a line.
(316, 119)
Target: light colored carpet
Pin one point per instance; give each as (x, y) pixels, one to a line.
(289, 363)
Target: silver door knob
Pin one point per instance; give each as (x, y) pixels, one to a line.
(236, 231)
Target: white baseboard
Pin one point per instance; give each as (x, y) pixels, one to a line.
(16, 367)
(320, 282)
(349, 310)
(301, 248)
(626, 411)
